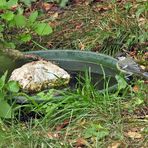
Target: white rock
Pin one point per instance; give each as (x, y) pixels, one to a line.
(39, 75)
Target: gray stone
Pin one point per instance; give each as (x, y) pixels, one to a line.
(40, 75)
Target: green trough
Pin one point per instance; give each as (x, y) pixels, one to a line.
(103, 68)
(78, 62)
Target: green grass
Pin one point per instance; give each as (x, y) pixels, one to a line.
(116, 29)
(96, 119)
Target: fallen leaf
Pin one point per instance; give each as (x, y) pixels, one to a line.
(14, 7)
(81, 45)
(101, 8)
(136, 88)
(81, 122)
(87, 3)
(54, 16)
(92, 21)
(115, 145)
(53, 24)
(133, 53)
(142, 21)
(56, 135)
(51, 135)
(134, 135)
(47, 6)
(79, 26)
(50, 44)
(134, 129)
(142, 67)
(81, 142)
(63, 125)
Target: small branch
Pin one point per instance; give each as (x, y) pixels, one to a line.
(12, 53)
(17, 55)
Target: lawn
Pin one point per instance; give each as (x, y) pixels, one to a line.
(84, 116)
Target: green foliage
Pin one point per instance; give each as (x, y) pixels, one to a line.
(33, 17)
(16, 28)
(96, 130)
(12, 86)
(25, 37)
(8, 16)
(19, 20)
(141, 9)
(7, 90)
(63, 2)
(5, 109)
(122, 84)
(43, 29)
(28, 2)
(128, 6)
(4, 4)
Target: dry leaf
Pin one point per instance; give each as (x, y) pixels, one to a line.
(142, 21)
(51, 135)
(53, 24)
(134, 135)
(81, 122)
(136, 88)
(50, 44)
(134, 129)
(87, 3)
(63, 125)
(81, 142)
(47, 6)
(114, 145)
(81, 45)
(101, 8)
(92, 21)
(54, 16)
(14, 7)
(142, 67)
(79, 26)
(133, 53)
(56, 135)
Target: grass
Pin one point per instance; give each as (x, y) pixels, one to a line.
(107, 27)
(85, 117)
